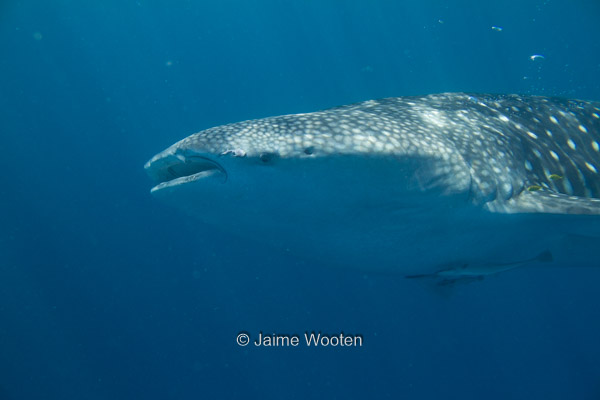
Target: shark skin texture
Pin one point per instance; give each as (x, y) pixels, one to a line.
(451, 186)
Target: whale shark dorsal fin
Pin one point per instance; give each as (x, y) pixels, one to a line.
(541, 200)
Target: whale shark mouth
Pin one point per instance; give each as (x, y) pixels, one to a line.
(175, 169)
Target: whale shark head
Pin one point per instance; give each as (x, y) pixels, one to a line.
(350, 157)
(376, 181)
(346, 135)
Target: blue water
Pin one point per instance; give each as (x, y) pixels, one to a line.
(106, 293)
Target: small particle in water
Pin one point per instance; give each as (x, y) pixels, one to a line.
(37, 36)
(169, 63)
(497, 28)
(440, 21)
(536, 57)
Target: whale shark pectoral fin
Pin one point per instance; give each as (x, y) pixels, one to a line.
(536, 199)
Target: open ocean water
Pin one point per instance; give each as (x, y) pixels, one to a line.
(107, 293)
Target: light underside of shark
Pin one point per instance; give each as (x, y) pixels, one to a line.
(448, 185)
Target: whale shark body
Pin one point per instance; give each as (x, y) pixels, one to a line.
(450, 185)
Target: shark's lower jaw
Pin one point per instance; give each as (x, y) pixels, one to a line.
(171, 170)
(212, 173)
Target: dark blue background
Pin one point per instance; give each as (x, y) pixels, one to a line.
(107, 293)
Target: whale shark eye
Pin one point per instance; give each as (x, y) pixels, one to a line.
(266, 157)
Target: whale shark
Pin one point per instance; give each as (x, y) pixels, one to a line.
(449, 186)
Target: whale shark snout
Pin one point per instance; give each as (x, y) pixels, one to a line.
(171, 168)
